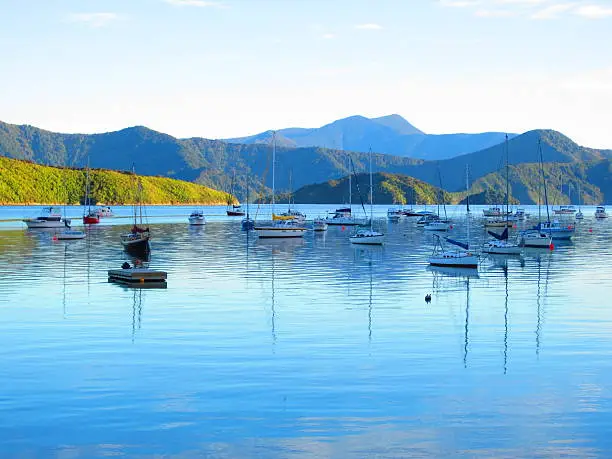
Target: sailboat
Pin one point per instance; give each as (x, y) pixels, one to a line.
(579, 214)
(500, 244)
(233, 210)
(90, 217)
(137, 240)
(344, 215)
(552, 228)
(278, 228)
(458, 258)
(247, 223)
(369, 236)
(535, 237)
(291, 214)
(435, 223)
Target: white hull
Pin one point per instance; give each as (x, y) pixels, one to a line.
(197, 221)
(437, 226)
(342, 221)
(536, 240)
(454, 259)
(368, 240)
(45, 223)
(274, 232)
(70, 235)
(501, 248)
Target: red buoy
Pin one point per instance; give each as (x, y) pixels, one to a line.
(343, 227)
(590, 230)
(551, 246)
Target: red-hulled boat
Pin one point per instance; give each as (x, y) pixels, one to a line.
(91, 218)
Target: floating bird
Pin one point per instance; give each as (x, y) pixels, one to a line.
(428, 298)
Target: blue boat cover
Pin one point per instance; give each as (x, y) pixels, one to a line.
(457, 243)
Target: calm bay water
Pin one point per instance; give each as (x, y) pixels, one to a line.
(302, 348)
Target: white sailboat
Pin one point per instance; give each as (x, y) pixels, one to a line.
(344, 215)
(535, 237)
(278, 228)
(369, 236)
(500, 244)
(436, 223)
(579, 214)
(462, 257)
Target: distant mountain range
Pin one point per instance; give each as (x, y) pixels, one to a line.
(213, 163)
(390, 134)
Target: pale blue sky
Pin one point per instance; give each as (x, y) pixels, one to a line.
(228, 68)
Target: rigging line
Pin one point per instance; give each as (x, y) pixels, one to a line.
(357, 186)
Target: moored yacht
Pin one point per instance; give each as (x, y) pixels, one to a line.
(197, 218)
(50, 217)
(369, 236)
(600, 212)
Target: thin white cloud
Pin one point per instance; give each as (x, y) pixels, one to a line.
(94, 19)
(369, 26)
(200, 3)
(553, 11)
(459, 3)
(494, 13)
(328, 36)
(593, 12)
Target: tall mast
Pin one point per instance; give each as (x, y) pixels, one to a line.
(467, 186)
(507, 180)
(543, 180)
(371, 196)
(350, 184)
(273, 165)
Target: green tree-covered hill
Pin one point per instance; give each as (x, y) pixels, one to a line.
(22, 182)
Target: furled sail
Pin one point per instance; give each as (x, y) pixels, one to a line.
(500, 237)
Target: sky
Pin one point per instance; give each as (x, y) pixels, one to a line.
(229, 68)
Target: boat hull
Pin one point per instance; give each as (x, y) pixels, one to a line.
(136, 246)
(70, 235)
(45, 223)
(233, 213)
(468, 261)
(277, 233)
(540, 241)
(367, 240)
(502, 249)
(91, 219)
(197, 221)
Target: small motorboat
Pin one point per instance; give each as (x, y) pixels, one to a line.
(600, 212)
(50, 217)
(197, 218)
(319, 225)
